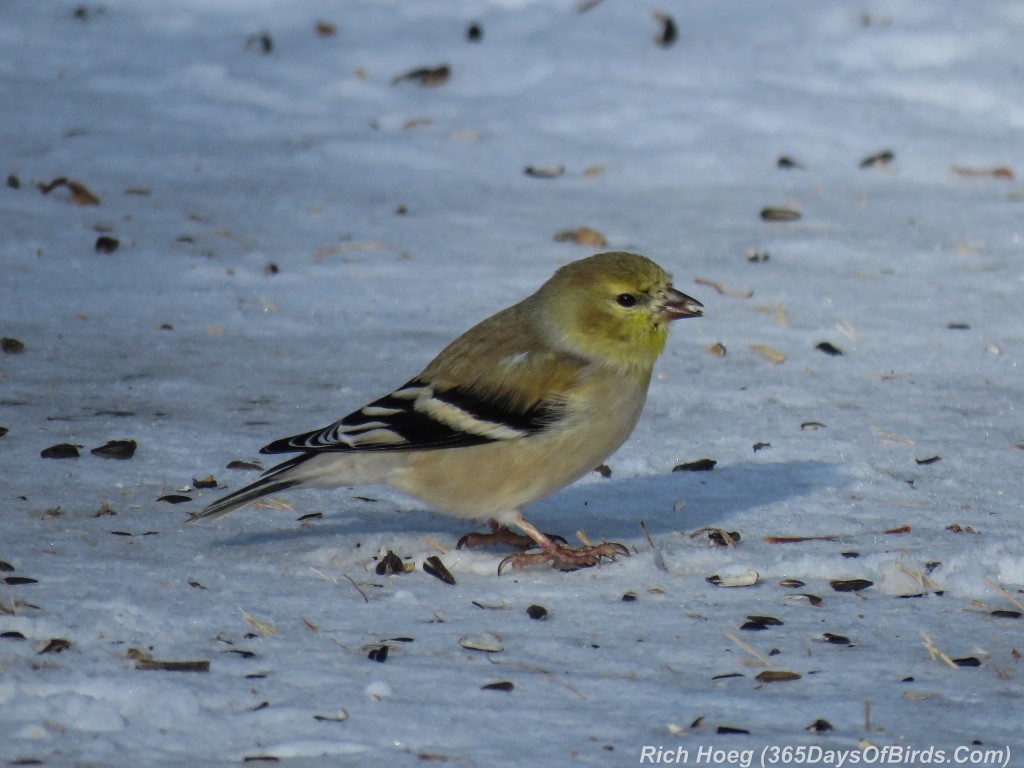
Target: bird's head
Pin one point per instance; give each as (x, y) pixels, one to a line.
(614, 308)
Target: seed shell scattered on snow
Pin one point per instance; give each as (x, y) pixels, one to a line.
(436, 568)
(60, 451)
(378, 654)
(11, 346)
(791, 583)
(338, 717)
(829, 349)
(544, 172)
(669, 32)
(426, 77)
(116, 449)
(586, 236)
(776, 676)
(717, 349)
(734, 579)
(835, 639)
(501, 685)
(850, 585)
(106, 244)
(538, 612)
(245, 465)
(390, 564)
(18, 581)
(55, 645)
(779, 214)
(700, 465)
(878, 159)
(488, 642)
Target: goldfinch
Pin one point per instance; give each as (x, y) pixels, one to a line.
(518, 407)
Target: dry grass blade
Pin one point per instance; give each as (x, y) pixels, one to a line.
(259, 626)
(935, 653)
(1005, 594)
(768, 352)
(764, 662)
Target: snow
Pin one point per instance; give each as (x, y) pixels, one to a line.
(213, 160)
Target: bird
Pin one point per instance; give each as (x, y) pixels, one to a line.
(518, 407)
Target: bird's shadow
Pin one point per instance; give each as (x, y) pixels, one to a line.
(604, 509)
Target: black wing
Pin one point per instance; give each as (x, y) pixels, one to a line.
(416, 417)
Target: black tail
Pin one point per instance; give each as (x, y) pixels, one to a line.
(271, 482)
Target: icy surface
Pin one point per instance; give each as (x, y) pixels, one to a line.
(298, 234)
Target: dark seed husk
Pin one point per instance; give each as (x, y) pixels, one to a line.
(722, 538)
(929, 460)
(787, 163)
(380, 655)
(436, 568)
(836, 639)
(820, 726)
(244, 465)
(850, 585)
(11, 346)
(503, 685)
(56, 645)
(538, 612)
(173, 666)
(60, 451)
(732, 730)
(426, 77)
(390, 564)
(829, 348)
(107, 244)
(668, 33)
(776, 676)
(17, 581)
(116, 449)
(768, 621)
(12, 635)
(812, 425)
(700, 465)
(174, 498)
(779, 214)
(5, 566)
(1001, 614)
(879, 158)
(968, 661)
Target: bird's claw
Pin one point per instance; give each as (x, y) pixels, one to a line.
(565, 558)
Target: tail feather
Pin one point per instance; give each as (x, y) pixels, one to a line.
(274, 480)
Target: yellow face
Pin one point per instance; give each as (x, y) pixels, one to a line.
(616, 307)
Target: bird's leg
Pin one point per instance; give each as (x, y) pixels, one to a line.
(560, 556)
(501, 534)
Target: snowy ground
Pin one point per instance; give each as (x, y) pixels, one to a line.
(395, 216)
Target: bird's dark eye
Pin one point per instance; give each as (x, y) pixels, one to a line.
(626, 300)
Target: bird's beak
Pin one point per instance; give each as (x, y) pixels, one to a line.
(676, 305)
